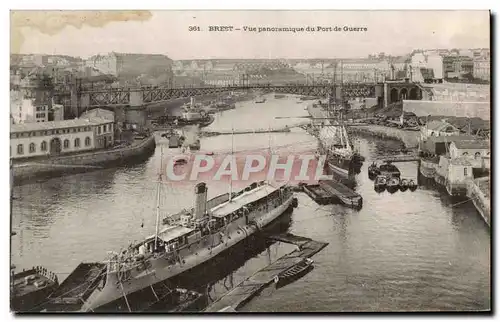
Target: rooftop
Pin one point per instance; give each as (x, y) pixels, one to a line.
(440, 126)
(242, 200)
(472, 144)
(41, 126)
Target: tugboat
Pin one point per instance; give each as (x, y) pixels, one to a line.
(380, 183)
(393, 184)
(404, 185)
(293, 273)
(412, 185)
(373, 171)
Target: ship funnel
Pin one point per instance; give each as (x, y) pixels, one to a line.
(200, 207)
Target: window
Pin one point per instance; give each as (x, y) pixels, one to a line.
(77, 142)
(477, 155)
(87, 141)
(465, 154)
(20, 149)
(43, 146)
(66, 144)
(32, 147)
(465, 172)
(98, 130)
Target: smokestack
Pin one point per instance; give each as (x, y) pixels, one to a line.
(192, 102)
(200, 207)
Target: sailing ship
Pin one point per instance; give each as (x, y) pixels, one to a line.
(192, 239)
(342, 161)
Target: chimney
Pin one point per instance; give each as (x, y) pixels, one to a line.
(200, 207)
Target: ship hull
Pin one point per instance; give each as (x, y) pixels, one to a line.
(103, 300)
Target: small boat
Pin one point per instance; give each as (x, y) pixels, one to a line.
(279, 95)
(404, 185)
(393, 184)
(380, 183)
(294, 272)
(373, 171)
(412, 185)
(261, 100)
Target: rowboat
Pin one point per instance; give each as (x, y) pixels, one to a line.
(412, 185)
(293, 273)
(380, 183)
(404, 184)
(393, 184)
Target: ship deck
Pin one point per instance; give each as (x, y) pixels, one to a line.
(251, 286)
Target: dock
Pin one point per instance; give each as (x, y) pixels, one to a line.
(345, 195)
(255, 131)
(254, 284)
(399, 158)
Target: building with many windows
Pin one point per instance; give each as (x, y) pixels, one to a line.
(60, 137)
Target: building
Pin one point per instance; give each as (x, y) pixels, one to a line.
(470, 149)
(482, 68)
(60, 137)
(57, 112)
(426, 68)
(438, 128)
(130, 65)
(457, 66)
(99, 112)
(24, 110)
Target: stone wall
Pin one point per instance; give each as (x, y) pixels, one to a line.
(448, 108)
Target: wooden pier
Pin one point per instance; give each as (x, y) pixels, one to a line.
(254, 284)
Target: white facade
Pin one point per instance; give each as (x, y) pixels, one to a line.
(469, 152)
(58, 112)
(59, 137)
(24, 111)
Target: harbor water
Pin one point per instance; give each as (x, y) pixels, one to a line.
(406, 251)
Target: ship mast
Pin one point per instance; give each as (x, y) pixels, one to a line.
(231, 176)
(158, 200)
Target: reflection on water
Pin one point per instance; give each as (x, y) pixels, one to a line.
(401, 251)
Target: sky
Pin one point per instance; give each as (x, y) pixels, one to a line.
(166, 32)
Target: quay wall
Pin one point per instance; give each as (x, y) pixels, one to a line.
(409, 138)
(480, 198)
(448, 108)
(84, 162)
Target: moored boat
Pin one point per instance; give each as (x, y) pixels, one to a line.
(293, 273)
(380, 183)
(260, 100)
(412, 185)
(30, 288)
(404, 185)
(393, 184)
(198, 236)
(373, 171)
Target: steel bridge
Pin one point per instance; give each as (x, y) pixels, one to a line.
(142, 97)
